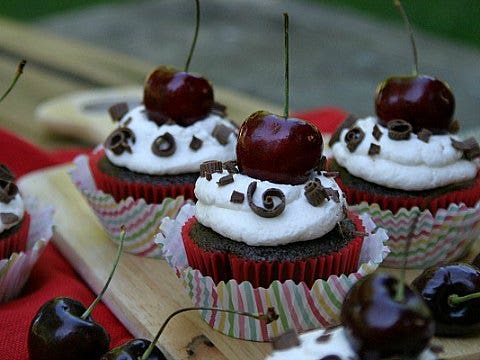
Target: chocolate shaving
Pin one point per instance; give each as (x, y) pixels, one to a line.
(208, 176)
(8, 191)
(164, 145)
(332, 194)
(331, 173)
(6, 174)
(117, 111)
(118, 141)
(324, 338)
(353, 138)
(195, 143)
(225, 180)
(268, 210)
(314, 192)
(8, 218)
(424, 135)
(231, 166)
(376, 132)
(321, 164)
(331, 357)
(347, 123)
(237, 197)
(374, 149)
(470, 147)
(210, 167)
(221, 133)
(454, 127)
(287, 340)
(399, 129)
(219, 109)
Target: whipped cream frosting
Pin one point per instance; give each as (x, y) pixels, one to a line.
(313, 347)
(299, 221)
(184, 160)
(15, 207)
(404, 164)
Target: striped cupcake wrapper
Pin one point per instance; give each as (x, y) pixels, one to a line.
(298, 306)
(141, 220)
(447, 236)
(15, 270)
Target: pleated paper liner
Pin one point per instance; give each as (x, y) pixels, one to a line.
(16, 240)
(15, 269)
(299, 306)
(122, 189)
(142, 220)
(443, 237)
(222, 266)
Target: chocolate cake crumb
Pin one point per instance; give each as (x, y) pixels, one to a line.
(195, 143)
(374, 149)
(324, 338)
(454, 127)
(470, 147)
(222, 133)
(225, 180)
(287, 340)
(237, 197)
(164, 145)
(117, 111)
(399, 129)
(353, 138)
(376, 132)
(347, 123)
(8, 218)
(424, 135)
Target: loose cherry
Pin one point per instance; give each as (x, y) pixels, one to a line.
(278, 149)
(63, 329)
(145, 350)
(175, 95)
(452, 292)
(423, 101)
(379, 325)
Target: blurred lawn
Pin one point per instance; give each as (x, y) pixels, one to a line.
(458, 20)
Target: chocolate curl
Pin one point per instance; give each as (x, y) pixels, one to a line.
(470, 147)
(8, 218)
(117, 141)
(231, 166)
(353, 138)
(399, 129)
(210, 167)
(314, 192)
(6, 174)
(347, 123)
(268, 210)
(325, 337)
(195, 143)
(424, 135)
(117, 111)
(8, 191)
(376, 132)
(321, 164)
(222, 133)
(287, 340)
(164, 145)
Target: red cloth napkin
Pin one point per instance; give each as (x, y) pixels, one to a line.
(53, 276)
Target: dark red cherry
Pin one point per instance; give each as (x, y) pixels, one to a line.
(134, 350)
(175, 95)
(58, 332)
(276, 149)
(377, 325)
(423, 101)
(438, 284)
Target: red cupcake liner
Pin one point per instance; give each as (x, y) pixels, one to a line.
(16, 241)
(121, 189)
(469, 196)
(224, 266)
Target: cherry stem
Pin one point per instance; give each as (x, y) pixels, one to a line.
(287, 77)
(454, 299)
(270, 316)
(110, 276)
(19, 72)
(194, 42)
(408, 25)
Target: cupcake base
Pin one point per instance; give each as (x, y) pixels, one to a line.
(15, 239)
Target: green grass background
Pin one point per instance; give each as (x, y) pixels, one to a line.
(457, 20)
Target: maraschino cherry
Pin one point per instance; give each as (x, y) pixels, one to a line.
(179, 96)
(278, 148)
(64, 329)
(423, 101)
(452, 292)
(147, 350)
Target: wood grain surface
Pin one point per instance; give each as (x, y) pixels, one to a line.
(145, 291)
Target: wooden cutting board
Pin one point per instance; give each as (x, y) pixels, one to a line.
(145, 291)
